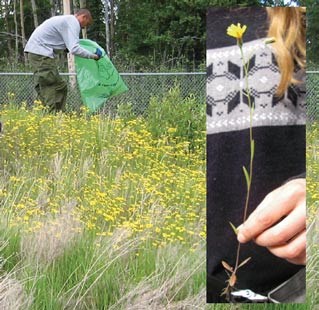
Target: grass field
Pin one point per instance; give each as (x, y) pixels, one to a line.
(102, 213)
(312, 215)
(109, 213)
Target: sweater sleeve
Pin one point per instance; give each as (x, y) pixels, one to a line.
(70, 35)
(298, 176)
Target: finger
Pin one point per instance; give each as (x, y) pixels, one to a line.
(289, 227)
(275, 206)
(294, 251)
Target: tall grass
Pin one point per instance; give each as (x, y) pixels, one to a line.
(109, 213)
(312, 215)
(99, 212)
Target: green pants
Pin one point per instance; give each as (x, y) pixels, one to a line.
(51, 89)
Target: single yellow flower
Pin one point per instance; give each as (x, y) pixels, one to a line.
(236, 31)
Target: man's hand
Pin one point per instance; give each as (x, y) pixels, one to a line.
(279, 222)
(98, 54)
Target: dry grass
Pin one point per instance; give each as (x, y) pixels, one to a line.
(12, 294)
(112, 249)
(313, 258)
(154, 300)
(159, 291)
(53, 238)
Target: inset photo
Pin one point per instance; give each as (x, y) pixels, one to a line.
(256, 163)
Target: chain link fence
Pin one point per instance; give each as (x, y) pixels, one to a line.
(312, 95)
(142, 87)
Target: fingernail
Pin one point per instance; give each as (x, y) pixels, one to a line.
(240, 237)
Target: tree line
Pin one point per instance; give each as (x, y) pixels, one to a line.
(138, 35)
(312, 34)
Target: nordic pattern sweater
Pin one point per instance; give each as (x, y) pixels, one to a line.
(279, 134)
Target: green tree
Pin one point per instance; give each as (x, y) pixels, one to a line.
(144, 35)
(312, 34)
(154, 34)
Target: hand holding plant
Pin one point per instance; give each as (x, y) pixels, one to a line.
(279, 222)
(237, 32)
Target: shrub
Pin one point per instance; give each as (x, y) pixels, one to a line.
(181, 118)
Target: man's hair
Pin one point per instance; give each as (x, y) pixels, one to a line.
(84, 12)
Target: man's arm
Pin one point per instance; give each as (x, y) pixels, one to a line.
(70, 37)
(81, 52)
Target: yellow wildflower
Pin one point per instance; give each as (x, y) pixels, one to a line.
(237, 32)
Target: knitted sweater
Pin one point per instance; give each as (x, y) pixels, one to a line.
(279, 134)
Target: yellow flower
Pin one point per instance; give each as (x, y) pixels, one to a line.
(37, 102)
(237, 32)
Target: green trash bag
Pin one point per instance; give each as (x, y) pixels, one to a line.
(98, 80)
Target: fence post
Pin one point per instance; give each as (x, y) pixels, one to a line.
(71, 64)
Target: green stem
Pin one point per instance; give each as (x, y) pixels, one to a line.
(252, 150)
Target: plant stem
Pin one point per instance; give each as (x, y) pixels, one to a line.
(251, 110)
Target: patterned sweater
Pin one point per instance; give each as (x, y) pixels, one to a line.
(279, 134)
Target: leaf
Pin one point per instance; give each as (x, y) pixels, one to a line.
(234, 228)
(227, 267)
(246, 176)
(232, 280)
(224, 292)
(252, 108)
(244, 262)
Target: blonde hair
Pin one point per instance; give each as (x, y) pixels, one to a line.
(288, 27)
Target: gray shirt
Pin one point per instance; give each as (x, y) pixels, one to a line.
(57, 33)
